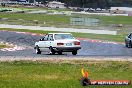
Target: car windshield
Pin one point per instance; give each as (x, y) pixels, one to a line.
(63, 36)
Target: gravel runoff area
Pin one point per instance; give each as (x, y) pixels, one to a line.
(59, 29)
(66, 59)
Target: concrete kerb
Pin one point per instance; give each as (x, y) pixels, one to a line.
(62, 59)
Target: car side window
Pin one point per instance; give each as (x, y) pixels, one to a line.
(45, 38)
(50, 37)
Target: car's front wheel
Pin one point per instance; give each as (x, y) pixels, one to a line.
(52, 51)
(38, 50)
(74, 52)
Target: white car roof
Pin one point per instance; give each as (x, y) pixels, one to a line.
(59, 33)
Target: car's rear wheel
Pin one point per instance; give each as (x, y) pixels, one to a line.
(38, 50)
(74, 52)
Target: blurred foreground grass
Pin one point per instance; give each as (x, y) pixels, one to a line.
(27, 74)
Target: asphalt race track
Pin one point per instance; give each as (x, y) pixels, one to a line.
(25, 46)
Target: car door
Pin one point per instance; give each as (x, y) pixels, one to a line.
(43, 43)
(46, 43)
(50, 41)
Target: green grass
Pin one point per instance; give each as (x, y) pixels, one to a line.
(116, 38)
(26, 74)
(127, 20)
(49, 19)
(60, 20)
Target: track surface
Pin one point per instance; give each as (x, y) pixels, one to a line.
(26, 41)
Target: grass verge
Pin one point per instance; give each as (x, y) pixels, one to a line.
(62, 20)
(26, 74)
(29, 18)
(116, 38)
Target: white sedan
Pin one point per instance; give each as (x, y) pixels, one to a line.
(58, 43)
